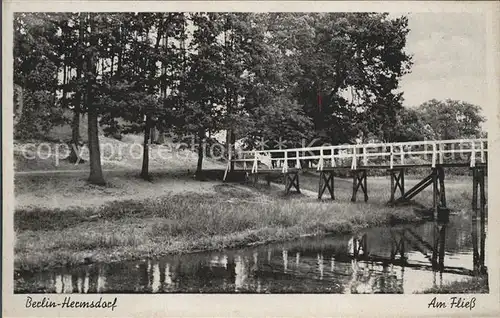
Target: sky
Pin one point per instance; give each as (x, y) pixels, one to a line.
(449, 55)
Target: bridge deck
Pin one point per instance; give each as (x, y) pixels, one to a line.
(438, 153)
(380, 167)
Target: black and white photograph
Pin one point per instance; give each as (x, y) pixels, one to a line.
(251, 152)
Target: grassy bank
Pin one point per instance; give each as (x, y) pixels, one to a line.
(474, 285)
(63, 220)
(231, 216)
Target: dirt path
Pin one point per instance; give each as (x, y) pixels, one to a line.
(58, 172)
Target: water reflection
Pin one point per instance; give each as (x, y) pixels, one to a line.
(285, 260)
(479, 242)
(401, 259)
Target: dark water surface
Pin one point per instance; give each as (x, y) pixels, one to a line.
(369, 262)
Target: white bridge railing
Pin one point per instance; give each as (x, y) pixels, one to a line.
(415, 153)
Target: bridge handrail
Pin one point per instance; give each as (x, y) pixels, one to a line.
(396, 149)
(406, 143)
(373, 145)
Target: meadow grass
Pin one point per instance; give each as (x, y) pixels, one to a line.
(233, 216)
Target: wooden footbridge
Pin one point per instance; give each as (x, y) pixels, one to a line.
(395, 158)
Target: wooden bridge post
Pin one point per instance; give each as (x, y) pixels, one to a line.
(326, 182)
(402, 183)
(287, 181)
(255, 178)
(478, 192)
(483, 214)
(434, 193)
(359, 181)
(291, 180)
(438, 190)
(392, 186)
(442, 192)
(397, 182)
(297, 185)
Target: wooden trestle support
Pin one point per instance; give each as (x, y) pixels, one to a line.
(439, 194)
(397, 182)
(435, 178)
(326, 182)
(359, 181)
(291, 180)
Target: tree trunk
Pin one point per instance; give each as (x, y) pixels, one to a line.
(54, 93)
(120, 52)
(199, 166)
(232, 141)
(102, 67)
(112, 64)
(229, 131)
(95, 176)
(153, 135)
(161, 136)
(149, 127)
(75, 135)
(145, 153)
(183, 47)
(64, 83)
(75, 124)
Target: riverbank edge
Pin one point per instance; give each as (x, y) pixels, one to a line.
(244, 239)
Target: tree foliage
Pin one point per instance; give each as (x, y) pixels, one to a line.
(453, 119)
(288, 76)
(36, 65)
(439, 120)
(346, 67)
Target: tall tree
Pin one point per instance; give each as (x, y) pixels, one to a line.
(95, 176)
(273, 114)
(452, 119)
(201, 92)
(80, 24)
(411, 125)
(344, 65)
(36, 65)
(276, 75)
